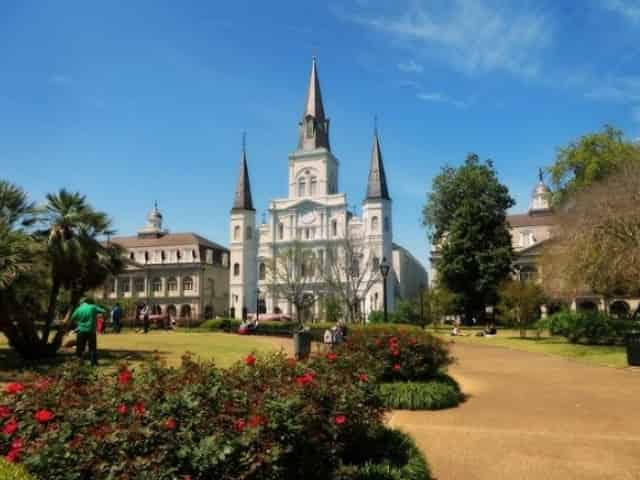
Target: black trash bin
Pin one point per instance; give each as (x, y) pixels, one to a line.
(302, 344)
(633, 348)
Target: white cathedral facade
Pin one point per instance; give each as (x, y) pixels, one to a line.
(316, 214)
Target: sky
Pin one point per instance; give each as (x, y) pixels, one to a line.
(134, 101)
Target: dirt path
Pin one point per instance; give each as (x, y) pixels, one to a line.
(532, 416)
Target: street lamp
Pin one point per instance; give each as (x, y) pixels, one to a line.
(384, 271)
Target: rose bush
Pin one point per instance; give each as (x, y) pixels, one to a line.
(266, 417)
(398, 354)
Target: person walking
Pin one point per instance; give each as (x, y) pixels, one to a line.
(116, 318)
(85, 318)
(145, 318)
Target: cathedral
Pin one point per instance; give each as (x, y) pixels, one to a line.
(316, 214)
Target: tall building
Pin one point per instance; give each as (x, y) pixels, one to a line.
(316, 213)
(180, 274)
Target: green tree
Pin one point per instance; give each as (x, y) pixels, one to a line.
(465, 215)
(438, 303)
(590, 159)
(520, 303)
(44, 269)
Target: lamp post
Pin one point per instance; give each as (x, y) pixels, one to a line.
(384, 271)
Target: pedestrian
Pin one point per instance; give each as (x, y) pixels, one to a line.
(145, 318)
(328, 339)
(116, 318)
(85, 319)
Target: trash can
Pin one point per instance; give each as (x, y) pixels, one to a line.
(632, 341)
(302, 344)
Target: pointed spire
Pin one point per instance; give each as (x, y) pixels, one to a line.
(314, 127)
(377, 184)
(242, 200)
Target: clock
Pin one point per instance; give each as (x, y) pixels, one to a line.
(308, 217)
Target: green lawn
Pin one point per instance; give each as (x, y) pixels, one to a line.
(224, 348)
(611, 356)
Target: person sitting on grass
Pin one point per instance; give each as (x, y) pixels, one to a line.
(85, 318)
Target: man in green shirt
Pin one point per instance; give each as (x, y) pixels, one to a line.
(85, 318)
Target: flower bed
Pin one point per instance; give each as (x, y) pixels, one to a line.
(266, 417)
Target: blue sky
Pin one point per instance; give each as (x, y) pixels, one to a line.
(133, 101)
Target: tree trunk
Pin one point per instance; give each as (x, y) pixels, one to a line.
(51, 311)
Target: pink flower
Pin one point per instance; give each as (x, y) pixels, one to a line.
(340, 419)
(44, 416)
(17, 444)
(397, 367)
(122, 409)
(5, 412)
(10, 427)
(170, 424)
(331, 356)
(250, 360)
(43, 384)
(14, 388)
(125, 376)
(139, 409)
(412, 341)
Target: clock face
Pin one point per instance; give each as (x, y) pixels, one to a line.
(308, 217)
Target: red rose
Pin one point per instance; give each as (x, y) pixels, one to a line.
(413, 341)
(14, 388)
(13, 456)
(363, 377)
(256, 420)
(44, 416)
(10, 427)
(5, 412)
(340, 419)
(331, 356)
(122, 409)
(139, 409)
(170, 424)
(396, 367)
(395, 352)
(125, 376)
(250, 360)
(239, 425)
(305, 379)
(17, 444)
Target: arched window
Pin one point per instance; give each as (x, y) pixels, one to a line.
(194, 255)
(334, 228)
(374, 224)
(187, 284)
(185, 311)
(172, 285)
(309, 127)
(156, 285)
(313, 183)
(131, 256)
(236, 269)
(262, 271)
(248, 232)
(225, 260)
(146, 257)
(236, 232)
(280, 231)
(163, 256)
(302, 187)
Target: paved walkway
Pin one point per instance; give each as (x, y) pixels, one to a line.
(531, 416)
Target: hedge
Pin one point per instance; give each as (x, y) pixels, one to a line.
(441, 392)
(588, 327)
(11, 471)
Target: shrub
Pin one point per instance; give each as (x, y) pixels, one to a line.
(390, 455)
(400, 354)
(221, 324)
(266, 417)
(11, 471)
(441, 392)
(588, 327)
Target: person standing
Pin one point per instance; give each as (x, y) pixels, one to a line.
(116, 318)
(85, 318)
(145, 318)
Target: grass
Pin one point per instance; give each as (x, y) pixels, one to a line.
(610, 356)
(224, 348)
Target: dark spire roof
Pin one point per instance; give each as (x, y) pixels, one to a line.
(242, 200)
(314, 110)
(377, 184)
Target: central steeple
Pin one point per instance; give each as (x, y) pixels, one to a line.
(377, 183)
(242, 199)
(314, 127)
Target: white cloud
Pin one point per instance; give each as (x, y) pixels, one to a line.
(410, 67)
(471, 35)
(441, 98)
(629, 9)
